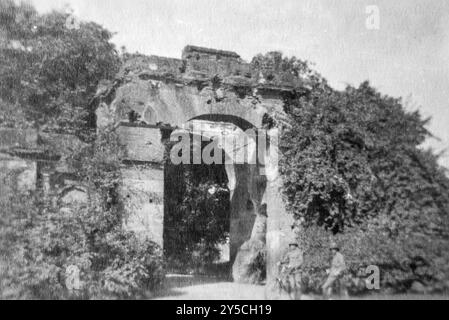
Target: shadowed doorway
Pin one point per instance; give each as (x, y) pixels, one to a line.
(197, 219)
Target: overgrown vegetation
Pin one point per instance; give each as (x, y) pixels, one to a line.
(353, 168)
(351, 161)
(48, 75)
(49, 72)
(41, 238)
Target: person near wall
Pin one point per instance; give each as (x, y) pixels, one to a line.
(336, 272)
(290, 271)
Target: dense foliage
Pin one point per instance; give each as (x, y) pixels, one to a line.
(359, 157)
(353, 167)
(351, 162)
(50, 68)
(42, 237)
(49, 73)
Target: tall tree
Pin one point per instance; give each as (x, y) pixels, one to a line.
(50, 68)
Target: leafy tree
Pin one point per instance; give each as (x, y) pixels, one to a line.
(355, 154)
(49, 71)
(48, 76)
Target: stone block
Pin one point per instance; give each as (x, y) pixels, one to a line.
(214, 62)
(143, 191)
(147, 222)
(142, 144)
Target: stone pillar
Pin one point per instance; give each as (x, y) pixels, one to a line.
(243, 212)
(250, 237)
(279, 233)
(279, 222)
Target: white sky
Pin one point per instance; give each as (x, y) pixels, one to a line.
(409, 55)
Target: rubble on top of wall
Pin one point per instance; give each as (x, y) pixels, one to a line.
(152, 67)
(156, 90)
(202, 65)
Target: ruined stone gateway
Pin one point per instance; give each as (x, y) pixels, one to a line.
(151, 98)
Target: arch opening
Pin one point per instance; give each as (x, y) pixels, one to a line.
(197, 218)
(245, 224)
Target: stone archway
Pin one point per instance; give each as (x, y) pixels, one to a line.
(196, 194)
(239, 141)
(144, 176)
(155, 95)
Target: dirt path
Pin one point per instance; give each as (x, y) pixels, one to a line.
(179, 287)
(200, 288)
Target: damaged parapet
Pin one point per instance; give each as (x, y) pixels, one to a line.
(197, 64)
(203, 62)
(157, 90)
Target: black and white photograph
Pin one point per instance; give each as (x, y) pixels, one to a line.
(224, 150)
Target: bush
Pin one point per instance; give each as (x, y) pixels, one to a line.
(40, 240)
(403, 256)
(403, 259)
(134, 270)
(35, 258)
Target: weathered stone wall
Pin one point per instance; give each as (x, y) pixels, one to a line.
(142, 143)
(203, 61)
(170, 91)
(143, 180)
(143, 191)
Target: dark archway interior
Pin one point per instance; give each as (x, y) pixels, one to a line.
(197, 218)
(197, 224)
